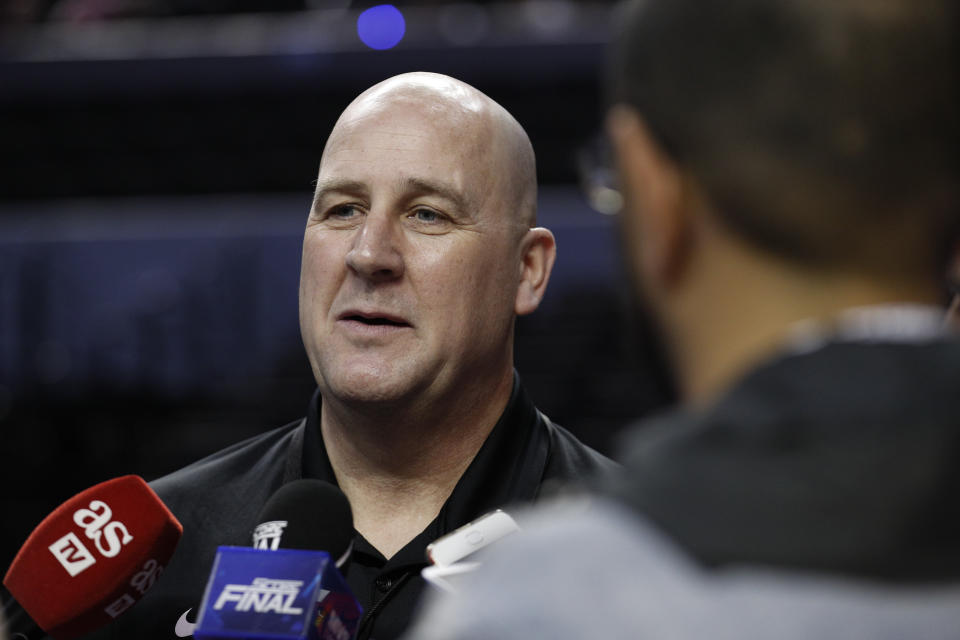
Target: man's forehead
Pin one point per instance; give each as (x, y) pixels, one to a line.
(413, 105)
(408, 121)
(407, 143)
(404, 128)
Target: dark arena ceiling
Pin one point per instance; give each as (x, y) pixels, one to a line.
(195, 104)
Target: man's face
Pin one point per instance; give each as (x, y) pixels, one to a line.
(411, 260)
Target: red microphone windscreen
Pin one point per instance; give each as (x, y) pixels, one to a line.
(93, 557)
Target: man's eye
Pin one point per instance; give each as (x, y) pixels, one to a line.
(426, 215)
(344, 212)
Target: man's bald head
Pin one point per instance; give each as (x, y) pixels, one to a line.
(419, 251)
(498, 147)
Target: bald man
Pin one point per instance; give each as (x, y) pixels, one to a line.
(421, 248)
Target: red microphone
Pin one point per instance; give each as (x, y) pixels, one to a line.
(93, 557)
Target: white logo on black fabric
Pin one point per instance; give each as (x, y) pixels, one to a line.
(267, 535)
(184, 628)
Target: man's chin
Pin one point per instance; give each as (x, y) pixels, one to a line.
(370, 386)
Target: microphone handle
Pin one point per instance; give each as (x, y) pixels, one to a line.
(19, 624)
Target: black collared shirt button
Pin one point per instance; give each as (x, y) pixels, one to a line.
(383, 584)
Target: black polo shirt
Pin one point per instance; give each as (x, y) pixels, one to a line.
(218, 500)
(510, 468)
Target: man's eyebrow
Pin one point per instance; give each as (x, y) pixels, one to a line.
(421, 186)
(336, 185)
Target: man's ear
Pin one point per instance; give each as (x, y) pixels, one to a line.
(656, 221)
(538, 252)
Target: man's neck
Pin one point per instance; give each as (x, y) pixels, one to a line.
(742, 311)
(398, 467)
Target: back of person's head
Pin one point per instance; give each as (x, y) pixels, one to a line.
(822, 130)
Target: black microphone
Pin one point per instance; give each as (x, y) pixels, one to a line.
(283, 588)
(307, 514)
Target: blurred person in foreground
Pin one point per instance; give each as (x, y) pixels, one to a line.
(789, 170)
(953, 311)
(420, 250)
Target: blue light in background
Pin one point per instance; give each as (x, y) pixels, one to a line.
(381, 27)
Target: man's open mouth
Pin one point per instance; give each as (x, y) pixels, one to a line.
(375, 320)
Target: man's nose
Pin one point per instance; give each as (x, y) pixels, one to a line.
(375, 254)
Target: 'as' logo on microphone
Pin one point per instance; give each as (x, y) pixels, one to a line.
(108, 537)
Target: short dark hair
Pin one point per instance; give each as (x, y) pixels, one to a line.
(824, 130)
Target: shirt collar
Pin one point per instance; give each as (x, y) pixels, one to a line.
(905, 323)
(507, 469)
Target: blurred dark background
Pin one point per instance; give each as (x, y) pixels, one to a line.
(158, 159)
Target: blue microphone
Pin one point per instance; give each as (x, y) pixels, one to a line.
(282, 589)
